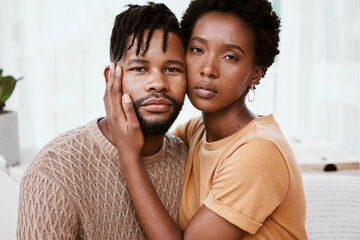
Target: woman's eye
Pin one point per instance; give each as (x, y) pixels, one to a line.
(231, 57)
(196, 50)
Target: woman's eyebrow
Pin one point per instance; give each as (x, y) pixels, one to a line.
(199, 39)
(226, 45)
(234, 46)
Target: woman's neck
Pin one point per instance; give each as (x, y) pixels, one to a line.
(226, 122)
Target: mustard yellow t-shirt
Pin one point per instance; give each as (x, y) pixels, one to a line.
(250, 178)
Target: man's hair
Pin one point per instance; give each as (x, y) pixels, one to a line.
(132, 23)
(258, 15)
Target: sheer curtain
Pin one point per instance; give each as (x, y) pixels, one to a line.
(61, 49)
(318, 72)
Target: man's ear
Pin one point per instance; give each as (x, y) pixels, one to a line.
(257, 75)
(106, 73)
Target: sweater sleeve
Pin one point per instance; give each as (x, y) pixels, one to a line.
(45, 211)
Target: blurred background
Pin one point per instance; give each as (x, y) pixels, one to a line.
(62, 47)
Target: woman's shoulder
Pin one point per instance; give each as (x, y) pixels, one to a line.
(261, 130)
(195, 123)
(188, 130)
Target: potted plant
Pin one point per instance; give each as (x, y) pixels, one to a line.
(9, 133)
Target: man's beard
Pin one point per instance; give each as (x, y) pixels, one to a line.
(157, 127)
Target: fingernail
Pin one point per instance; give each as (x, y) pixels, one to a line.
(117, 68)
(111, 66)
(127, 98)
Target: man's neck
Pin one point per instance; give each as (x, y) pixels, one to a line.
(152, 144)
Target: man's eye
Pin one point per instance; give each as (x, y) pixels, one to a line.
(172, 70)
(138, 69)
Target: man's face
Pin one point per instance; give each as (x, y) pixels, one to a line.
(156, 81)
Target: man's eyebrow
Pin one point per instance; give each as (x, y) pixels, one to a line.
(137, 61)
(142, 61)
(175, 62)
(234, 46)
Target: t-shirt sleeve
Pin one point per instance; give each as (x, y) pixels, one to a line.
(45, 211)
(249, 184)
(186, 130)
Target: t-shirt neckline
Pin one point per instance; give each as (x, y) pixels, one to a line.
(222, 142)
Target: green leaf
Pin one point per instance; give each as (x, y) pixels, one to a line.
(7, 86)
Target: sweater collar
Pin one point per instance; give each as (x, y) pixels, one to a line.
(111, 151)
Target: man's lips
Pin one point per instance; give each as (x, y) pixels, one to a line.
(205, 90)
(157, 105)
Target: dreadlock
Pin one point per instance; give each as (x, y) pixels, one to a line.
(258, 15)
(131, 24)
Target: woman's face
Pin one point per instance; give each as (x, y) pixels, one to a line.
(220, 62)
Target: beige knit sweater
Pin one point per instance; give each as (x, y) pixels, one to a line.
(74, 190)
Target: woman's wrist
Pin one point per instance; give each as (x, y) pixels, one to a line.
(129, 162)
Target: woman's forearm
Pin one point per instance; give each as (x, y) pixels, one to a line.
(154, 218)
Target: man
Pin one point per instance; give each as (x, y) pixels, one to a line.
(73, 188)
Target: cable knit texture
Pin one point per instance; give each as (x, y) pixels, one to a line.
(73, 189)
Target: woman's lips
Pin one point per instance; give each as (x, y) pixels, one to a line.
(205, 90)
(157, 105)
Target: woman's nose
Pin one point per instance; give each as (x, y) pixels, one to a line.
(209, 68)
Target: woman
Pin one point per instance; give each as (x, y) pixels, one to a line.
(241, 179)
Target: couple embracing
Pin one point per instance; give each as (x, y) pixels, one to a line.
(229, 174)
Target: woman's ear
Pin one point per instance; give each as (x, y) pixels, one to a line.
(257, 75)
(106, 73)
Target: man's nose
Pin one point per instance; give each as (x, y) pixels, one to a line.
(157, 82)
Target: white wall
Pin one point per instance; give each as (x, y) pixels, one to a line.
(61, 49)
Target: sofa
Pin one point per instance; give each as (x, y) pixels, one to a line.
(333, 205)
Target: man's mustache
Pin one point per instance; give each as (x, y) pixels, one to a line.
(139, 101)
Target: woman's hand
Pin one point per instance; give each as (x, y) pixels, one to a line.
(121, 118)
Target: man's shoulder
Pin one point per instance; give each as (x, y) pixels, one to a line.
(175, 147)
(175, 142)
(73, 138)
(64, 146)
